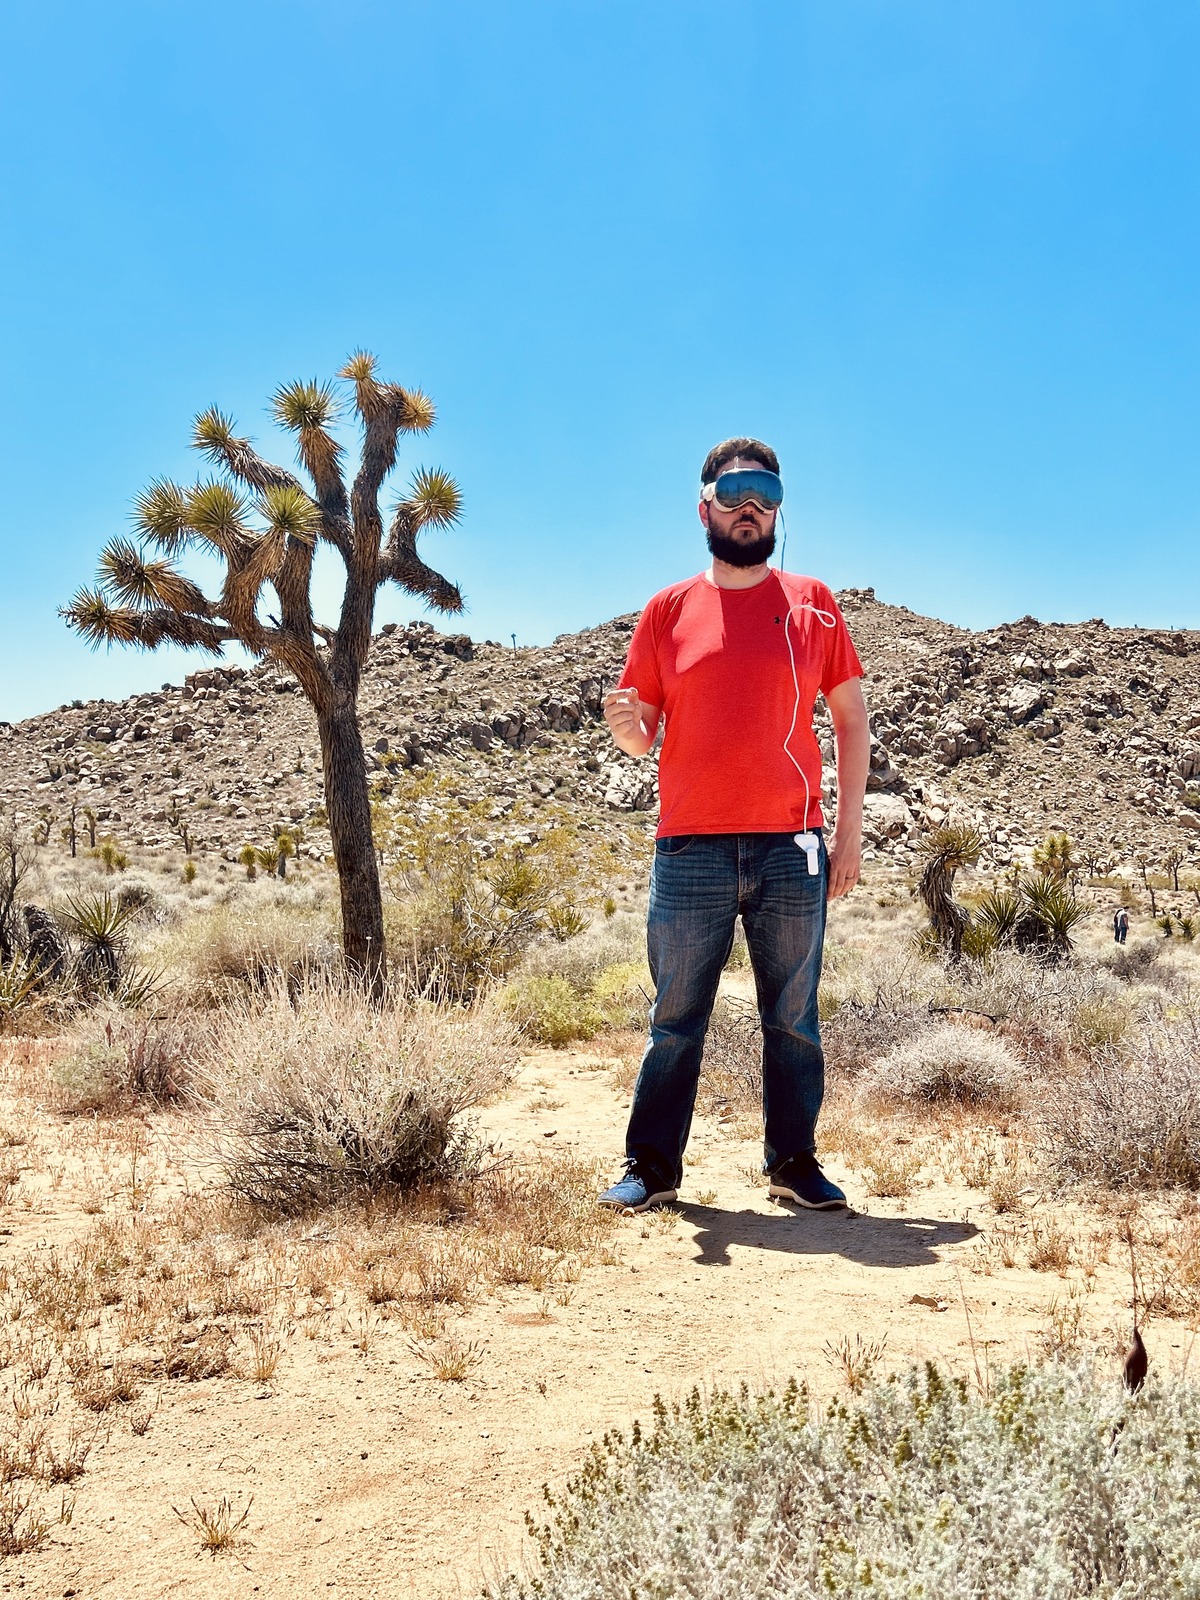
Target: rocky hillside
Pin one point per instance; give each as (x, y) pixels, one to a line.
(1030, 727)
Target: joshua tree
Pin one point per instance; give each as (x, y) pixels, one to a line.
(1175, 859)
(946, 850)
(285, 848)
(264, 524)
(1054, 857)
(16, 863)
(71, 833)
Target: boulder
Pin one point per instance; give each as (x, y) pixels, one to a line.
(629, 787)
(1025, 702)
(885, 816)
(1074, 664)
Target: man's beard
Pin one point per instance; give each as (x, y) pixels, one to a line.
(739, 553)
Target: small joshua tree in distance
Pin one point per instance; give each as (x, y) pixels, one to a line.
(264, 524)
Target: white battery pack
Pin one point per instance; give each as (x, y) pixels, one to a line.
(811, 845)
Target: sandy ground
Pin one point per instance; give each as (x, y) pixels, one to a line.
(370, 1477)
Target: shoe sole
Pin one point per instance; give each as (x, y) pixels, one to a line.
(662, 1198)
(778, 1192)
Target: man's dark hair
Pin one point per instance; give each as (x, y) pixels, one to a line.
(729, 449)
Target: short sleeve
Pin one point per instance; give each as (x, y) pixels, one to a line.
(641, 664)
(841, 658)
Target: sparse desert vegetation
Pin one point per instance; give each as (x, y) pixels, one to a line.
(229, 1172)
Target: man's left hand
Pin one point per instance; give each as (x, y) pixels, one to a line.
(845, 862)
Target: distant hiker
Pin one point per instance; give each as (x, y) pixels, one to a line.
(733, 659)
(1120, 924)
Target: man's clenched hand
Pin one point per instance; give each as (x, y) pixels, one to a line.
(631, 721)
(845, 862)
(623, 713)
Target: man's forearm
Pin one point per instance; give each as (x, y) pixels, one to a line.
(632, 722)
(635, 741)
(853, 765)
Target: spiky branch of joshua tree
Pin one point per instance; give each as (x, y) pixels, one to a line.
(264, 524)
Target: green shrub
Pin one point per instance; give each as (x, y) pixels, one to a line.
(550, 1010)
(623, 993)
(1055, 1484)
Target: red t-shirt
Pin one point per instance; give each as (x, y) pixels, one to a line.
(715, 661)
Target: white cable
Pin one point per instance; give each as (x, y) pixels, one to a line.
(827, 620)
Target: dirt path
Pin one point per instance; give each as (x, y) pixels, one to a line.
(371, 1478)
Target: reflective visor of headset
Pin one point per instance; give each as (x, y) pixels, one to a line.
(734, 489)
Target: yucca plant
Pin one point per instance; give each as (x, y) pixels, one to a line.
(1055, 856)
(997, 914)
(1050, 912)
(98, 923)
(267, 857)
(264, 525)
(19, 979)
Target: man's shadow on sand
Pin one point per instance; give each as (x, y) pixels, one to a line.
(872, 1241)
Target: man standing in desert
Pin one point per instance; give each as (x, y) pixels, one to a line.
(733, 660)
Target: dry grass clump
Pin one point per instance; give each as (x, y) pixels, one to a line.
(948, 1063)
(113, 1057)
(871, 1000)
(1130, 1117)
(618, 940)
(1171, 1288)
(242, 944)
(889, 1169)
(216, 1527)
(316, 1096)
(201, 1286)
(731, 1077)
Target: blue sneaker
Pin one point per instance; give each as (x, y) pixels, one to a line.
(634, 1192)
(802, 1180)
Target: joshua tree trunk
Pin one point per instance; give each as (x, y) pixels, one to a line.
(349, 806)
(149, 601)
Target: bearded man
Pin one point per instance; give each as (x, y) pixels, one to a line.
(732, 661)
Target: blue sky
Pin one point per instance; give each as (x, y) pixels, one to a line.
(944, 256)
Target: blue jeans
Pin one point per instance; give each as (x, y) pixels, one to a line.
(699, 884)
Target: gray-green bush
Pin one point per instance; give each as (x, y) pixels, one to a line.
(948, 1062)
(1058, 1484)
